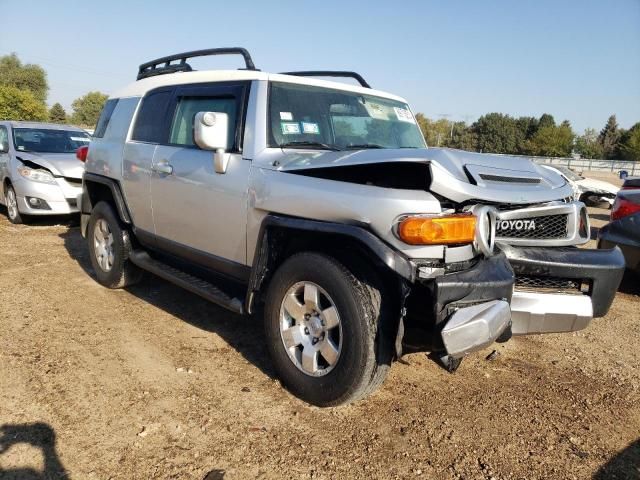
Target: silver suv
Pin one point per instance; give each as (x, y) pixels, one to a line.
(39, 171)
(319, 205)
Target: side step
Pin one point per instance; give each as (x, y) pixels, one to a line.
(195, 285)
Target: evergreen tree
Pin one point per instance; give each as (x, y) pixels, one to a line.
(57, 114)
(609, 138)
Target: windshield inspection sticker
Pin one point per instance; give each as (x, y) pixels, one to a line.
(286, 116)
(404, 115)
(312, 128)
(290, 128)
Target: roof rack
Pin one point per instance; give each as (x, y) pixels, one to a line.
(154, 67)
(331, 73)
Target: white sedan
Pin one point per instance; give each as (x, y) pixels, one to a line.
(591, 192)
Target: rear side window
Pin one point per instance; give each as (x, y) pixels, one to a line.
(150, 122)
(105, 116)
(186, 110)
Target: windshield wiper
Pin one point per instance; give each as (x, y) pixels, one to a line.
(363, 146)
(310, 144)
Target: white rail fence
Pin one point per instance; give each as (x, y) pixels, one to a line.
(632, 168)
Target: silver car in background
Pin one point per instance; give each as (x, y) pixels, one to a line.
(39, 171)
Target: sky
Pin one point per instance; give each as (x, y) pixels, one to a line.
(576, 59)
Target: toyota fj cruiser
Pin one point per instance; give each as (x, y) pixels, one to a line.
(319, 204)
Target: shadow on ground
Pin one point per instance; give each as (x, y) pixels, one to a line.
(47, 220)
(38, 435)
(630, 284)
(243, 333)
(625, 465)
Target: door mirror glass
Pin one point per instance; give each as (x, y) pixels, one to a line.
(4, 146)
(210, 130)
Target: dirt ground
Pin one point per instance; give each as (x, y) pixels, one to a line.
(153, 382)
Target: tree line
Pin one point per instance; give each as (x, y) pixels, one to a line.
(500, 133)
(23, 95)
(24, 89)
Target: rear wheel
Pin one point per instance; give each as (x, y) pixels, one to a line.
(323, 330)
(11, 201)
(109, 249)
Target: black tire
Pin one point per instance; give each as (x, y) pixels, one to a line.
(16, 217)
(122, 272)
(366, 353)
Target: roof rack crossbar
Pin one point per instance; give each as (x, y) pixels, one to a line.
(331, 73)
(163, 65)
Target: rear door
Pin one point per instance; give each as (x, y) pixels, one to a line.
(200, 214)
(149, 130)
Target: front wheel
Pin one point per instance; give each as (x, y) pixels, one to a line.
(11, 201)
(323, 330)
(108, 249)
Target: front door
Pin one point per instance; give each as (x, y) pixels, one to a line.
(198, 213)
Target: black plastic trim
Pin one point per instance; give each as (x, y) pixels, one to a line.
(489, 279)
(114, 186)
(603, 268)
(387, 255)
(208, 261)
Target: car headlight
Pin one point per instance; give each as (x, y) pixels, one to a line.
(39, 175)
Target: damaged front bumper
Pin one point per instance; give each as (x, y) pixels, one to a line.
(561, 289)
(462, 312)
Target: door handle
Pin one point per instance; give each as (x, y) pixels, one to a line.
(163, 167)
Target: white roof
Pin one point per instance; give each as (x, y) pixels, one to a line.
(140, 87)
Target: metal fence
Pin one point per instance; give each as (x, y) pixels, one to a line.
(632, 168)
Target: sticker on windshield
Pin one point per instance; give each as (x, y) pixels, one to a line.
(286, 116)
(311, 128)
(404, 115)
(290, 128)
(79, 139)
(375, 111)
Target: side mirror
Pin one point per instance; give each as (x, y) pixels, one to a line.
(210, 132)
(4, 147)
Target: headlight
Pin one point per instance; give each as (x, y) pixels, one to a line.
(42, 176)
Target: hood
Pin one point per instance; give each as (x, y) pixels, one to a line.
(60, 164)
(597, 186)
(455, 174)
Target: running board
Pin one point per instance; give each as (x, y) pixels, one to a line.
(206, 290)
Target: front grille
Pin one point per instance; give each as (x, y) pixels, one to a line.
(542, 228)
(548, 284)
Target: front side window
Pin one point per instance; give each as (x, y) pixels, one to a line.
(45, 140)
(317, 117)
(182, 125)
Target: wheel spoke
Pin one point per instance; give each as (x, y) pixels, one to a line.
(331, 318)
(293, 307)
(329, 351)
(310, 360)
(311, 296)
(292, 336)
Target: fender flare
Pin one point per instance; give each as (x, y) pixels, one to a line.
(116, 193)
(392, 259)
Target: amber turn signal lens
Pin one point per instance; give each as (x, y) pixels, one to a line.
(453, 229)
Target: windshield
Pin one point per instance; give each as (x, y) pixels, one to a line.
(306, 116)
(44, 140)
(570, 174)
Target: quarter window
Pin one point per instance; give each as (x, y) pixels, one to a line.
(182, 125)
(150, 122)
(4, 138)
(105, 116)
